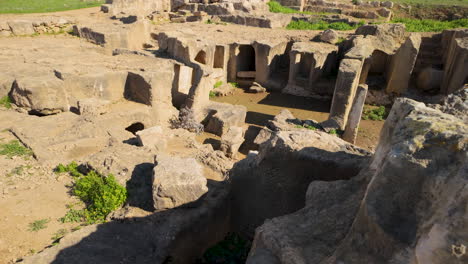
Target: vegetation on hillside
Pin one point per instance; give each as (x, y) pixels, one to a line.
(6, 101)
(101, 194)
(321, 25)
(433, 2)
(429, 25)
(376, 114)
(42, 6)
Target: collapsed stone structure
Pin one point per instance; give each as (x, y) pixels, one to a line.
(109, 98)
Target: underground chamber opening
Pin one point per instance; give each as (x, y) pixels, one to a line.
(219, 57)
(246, 67)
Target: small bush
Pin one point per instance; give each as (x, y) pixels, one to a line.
(71, 168)
(336, 132)
(6, 102)
(213, 94)
(101, 194)
(377, 114)
(38, 225)
(321, 25)
(234, 84)
(14, 148)
(428, 25)
(186, 120)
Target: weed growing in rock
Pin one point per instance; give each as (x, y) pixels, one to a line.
(233, 249)
(377, 114)
(38, 225)
(101, 194)
(336, 132)
(307, 127)
(6, 102)
(58, 235)
(234, 84)
(218, 84)
(321, 25)
(212, 94)
(14, 148)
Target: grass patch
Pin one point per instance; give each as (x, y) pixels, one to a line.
(42, 6)
(218, 84)
(234, 84)
(307, 127)
(433, 2)
(276, 7)
(14, 148)
(101, 194)
(336, 132)
(376, 114)
(38, 225)
(321, 25)
(5, 101)
(58, 235)
(429, 25)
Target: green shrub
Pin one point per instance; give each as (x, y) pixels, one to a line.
(14, 148)
(71, 168)
(376, 114)
(321, 25)
(276, 7)
(38, 225)
(336, 132)
(428, 25)
(6, 102)
(212, 94)
(101, 194)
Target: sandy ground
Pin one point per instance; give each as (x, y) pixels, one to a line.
(28, 192)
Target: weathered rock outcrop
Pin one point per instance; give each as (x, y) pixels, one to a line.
(274, 182)
(177, 181)
(411, 211)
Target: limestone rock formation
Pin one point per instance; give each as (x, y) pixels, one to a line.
(274, 181)
(223, 116)
(330, 36)
(232, 140)
(177, 181)
(410, 210)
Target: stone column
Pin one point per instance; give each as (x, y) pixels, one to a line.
(352, 126)
(456, 68)
(345, 88)
(402, 64)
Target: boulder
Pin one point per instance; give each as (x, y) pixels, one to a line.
(232, 140)
(152, 137)
(329, 36)
(6, 83)
(384, 12)
(223, 116)
(429, 79)
(177, 181)
(21, 27)
(42, 93)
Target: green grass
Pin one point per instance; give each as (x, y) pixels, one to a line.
(433, 2)
(58, 235)
(38, 225)
(234, 84)
(428, 25)
(14, 148)
(213, 94)
(307, 127)
(101, 194)
(376, 114)
(6, 101)
(276, 7)
(42, 6)
(321, 25)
